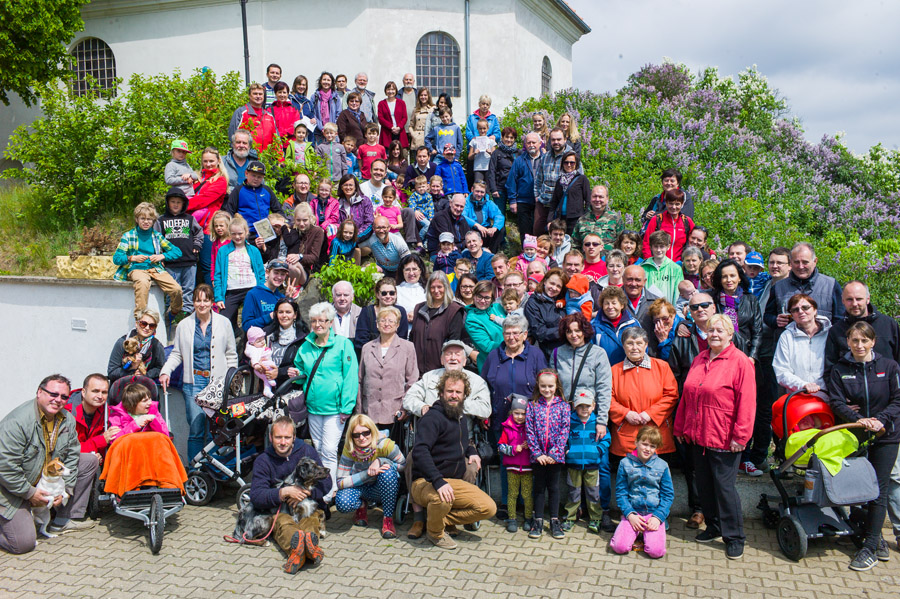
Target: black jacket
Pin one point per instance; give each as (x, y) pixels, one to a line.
(442, 222)
(154, 362)
(887, 337)
(367, 329)
(578, 198)
(543, 322)
(750, 322)
(441, 449)
(685, 349)
(287, 360)
(873, 386)
(498, 171)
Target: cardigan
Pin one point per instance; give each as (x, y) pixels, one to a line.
(222, 349)
(384, 380)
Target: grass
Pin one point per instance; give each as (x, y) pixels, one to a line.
(31, 238)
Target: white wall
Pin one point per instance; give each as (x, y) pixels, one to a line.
(67, 326)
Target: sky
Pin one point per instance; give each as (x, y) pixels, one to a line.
(837, 63)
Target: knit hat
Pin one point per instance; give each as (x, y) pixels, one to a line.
(536, 277)
(517, 402)
(180, 144)
(255, 334)
(530, 242)
(583, 397)
(446, 236)
(579, 283)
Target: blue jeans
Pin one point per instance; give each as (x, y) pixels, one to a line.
(186, 276)
(383, 490)
(196, 417)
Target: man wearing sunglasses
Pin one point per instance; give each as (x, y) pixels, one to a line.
(32, 435)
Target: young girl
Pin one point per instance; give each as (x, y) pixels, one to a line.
(615, 269)
(644, 493)
(513, 445)
(367, 472)
(547, 431)
(529, 254)
(395, 162)
(220, 225)
(632, 245)
(299, 150)
(136, 413)
(239, 268)
(389, 209)
(326, 209)
(345, 242)
(260, 357)
(539, 126)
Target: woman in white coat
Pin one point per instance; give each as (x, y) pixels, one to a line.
(799, 361)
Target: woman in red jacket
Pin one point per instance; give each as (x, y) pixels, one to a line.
(392, 117)
(209, 195)
(718, 406)
(284, 113)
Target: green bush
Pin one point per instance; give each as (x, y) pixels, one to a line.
(362, 278)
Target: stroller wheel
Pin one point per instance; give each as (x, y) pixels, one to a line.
(157, 524)
(199, 488)
(243, 496)
(792, 538)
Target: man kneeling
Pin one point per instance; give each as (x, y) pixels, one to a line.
(440, 456)
(299, 540)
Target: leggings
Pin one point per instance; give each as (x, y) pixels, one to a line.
(234, 299)
(383, 491)
(520, 482)
(546, 478)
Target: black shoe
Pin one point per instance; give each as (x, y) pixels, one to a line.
(606, 523)
(883, 552)
(734, 549)
(708, 535)
(502, 513)
(863, 560)
(537, 528)
(556, 530)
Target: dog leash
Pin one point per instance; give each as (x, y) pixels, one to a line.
(244, 540)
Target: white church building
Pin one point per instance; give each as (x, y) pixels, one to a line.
(503, 48)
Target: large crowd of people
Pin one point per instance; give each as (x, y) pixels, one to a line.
(590, 362)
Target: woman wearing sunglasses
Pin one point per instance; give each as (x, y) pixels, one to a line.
(367, 325)
(572, 194)
(151, 353)
(799, 361)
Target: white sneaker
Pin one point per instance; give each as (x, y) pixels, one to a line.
(750, 469)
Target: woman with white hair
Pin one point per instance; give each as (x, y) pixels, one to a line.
(329, 374)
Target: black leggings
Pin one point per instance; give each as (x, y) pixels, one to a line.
(882, 458)
(234, 299)
(546, 478)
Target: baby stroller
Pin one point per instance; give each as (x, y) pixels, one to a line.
(142, 476)
(235, 420)
(835, 479)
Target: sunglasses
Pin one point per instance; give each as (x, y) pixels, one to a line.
(55, 395)
(570, 162)
(803, 308)
(701, 305)
(366, 433)
(590, 244)
(384, 293)
(147, 325)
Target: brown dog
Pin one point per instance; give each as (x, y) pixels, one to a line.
(132, 348)
(53, 484)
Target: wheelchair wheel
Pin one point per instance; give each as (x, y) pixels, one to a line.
(792, 538)
(400, 510)
(199, 488)
(243, 496)
(157, 524)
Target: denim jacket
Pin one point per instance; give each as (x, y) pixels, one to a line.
(644, 488)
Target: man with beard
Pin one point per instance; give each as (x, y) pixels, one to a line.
(440, 457)
(238, 158)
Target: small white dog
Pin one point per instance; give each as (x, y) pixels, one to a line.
(52, 483)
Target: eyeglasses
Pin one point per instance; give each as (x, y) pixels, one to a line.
(147, 325)
(55, 395)
(700, 306)
(591, 244)
(484, 298)
(365, 433)
(803, 308)
(387, 293)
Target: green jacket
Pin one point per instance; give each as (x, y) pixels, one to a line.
(485, 333)
(335, 386)
(665, 278)
(22, 452)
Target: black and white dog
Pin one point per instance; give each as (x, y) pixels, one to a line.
(253, 524)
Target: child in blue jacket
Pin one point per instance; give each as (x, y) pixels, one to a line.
(587, 465)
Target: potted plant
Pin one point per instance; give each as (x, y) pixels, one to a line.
(92, 259)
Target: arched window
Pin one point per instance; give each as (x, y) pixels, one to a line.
(93, 59)
(437, 64)
(546, 77)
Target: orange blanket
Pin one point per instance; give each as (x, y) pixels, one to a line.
(142, 459)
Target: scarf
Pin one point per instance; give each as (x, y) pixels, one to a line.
(324, 108)
(357, 114)
(566, 178)
(730, 305)
(506, 148)
(287, 336)
(363, 455)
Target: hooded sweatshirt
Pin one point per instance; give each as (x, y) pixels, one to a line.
(183, 231)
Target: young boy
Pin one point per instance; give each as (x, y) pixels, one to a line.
(480, 149)
(333, 152)
(662, 272)
(422, 202)
(181, 230)
(587, 464)
(370, 151)
(462, 267)
(451, 172)
(755, 270)
(440, 135)
(350, 147)
(140, 256)
(436, 189)
(178, 173)
(446, 258)
(673, 222)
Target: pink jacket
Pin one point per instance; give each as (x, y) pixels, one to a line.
(332, 214)
(514, 434)
(120, 417)
(718, 404)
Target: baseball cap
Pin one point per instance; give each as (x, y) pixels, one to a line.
(446, 236)
(256, 167)
(180, 144)
(449, 146)
(584, 397)
(456, 343)
(754, 259)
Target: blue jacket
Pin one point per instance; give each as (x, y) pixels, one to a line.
(609, 337)
(258, 306)
(583, 451)
(220, 284)
(505, 376)
(444, 134)
(483, 270)
(759, 283)
(472, 126)
(490, 214)
(270, 469)
(304, 107)
(520, 182)
(253, 203)
(453, 176)
(644, 488)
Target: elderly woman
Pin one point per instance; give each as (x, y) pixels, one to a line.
(283, 336)
(329, 372)
(665, 325)
(465, 289)
(367, 325)
(865, 387)
(204, 344)
(387, 369)
(411, 290)
(730, 291)
(485, 331)
(572, 194)
(545, 308)
(151, 353)
(422, 119)
(716, 417)
(392, 117)
(483, 112)
(352, 122)
(799, 361)
(611, 321)
(436, 320)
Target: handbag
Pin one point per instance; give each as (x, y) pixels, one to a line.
(486, 451)
(296, 405)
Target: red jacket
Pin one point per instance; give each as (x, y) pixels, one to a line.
(208, 198)
(718, 403)
(679, 231)
(384, 119)
(91, 438)
(285, 116)
(262, 127)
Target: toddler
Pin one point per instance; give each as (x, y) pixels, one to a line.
(547, 431)
(510, 301)
(178, 173)
(756, 272)
(370, 151)
(423, 203)
(389, 209)
(587, 465)
(345, 242)
(644, 493)
(260, 357)
(685, 290)
(446, 258)
(534, 280)
(579, 297)
(513, 446)
(528, 255)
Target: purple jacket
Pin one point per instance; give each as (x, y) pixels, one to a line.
(514, 434)
(547, 426)
(362, 212)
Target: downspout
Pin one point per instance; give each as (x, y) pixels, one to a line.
(246, 44)
(468, 65)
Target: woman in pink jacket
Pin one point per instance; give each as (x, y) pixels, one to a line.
(718, 406)
(137, 413)
(392, 117)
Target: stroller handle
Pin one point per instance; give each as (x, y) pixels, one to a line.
(812, 441)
